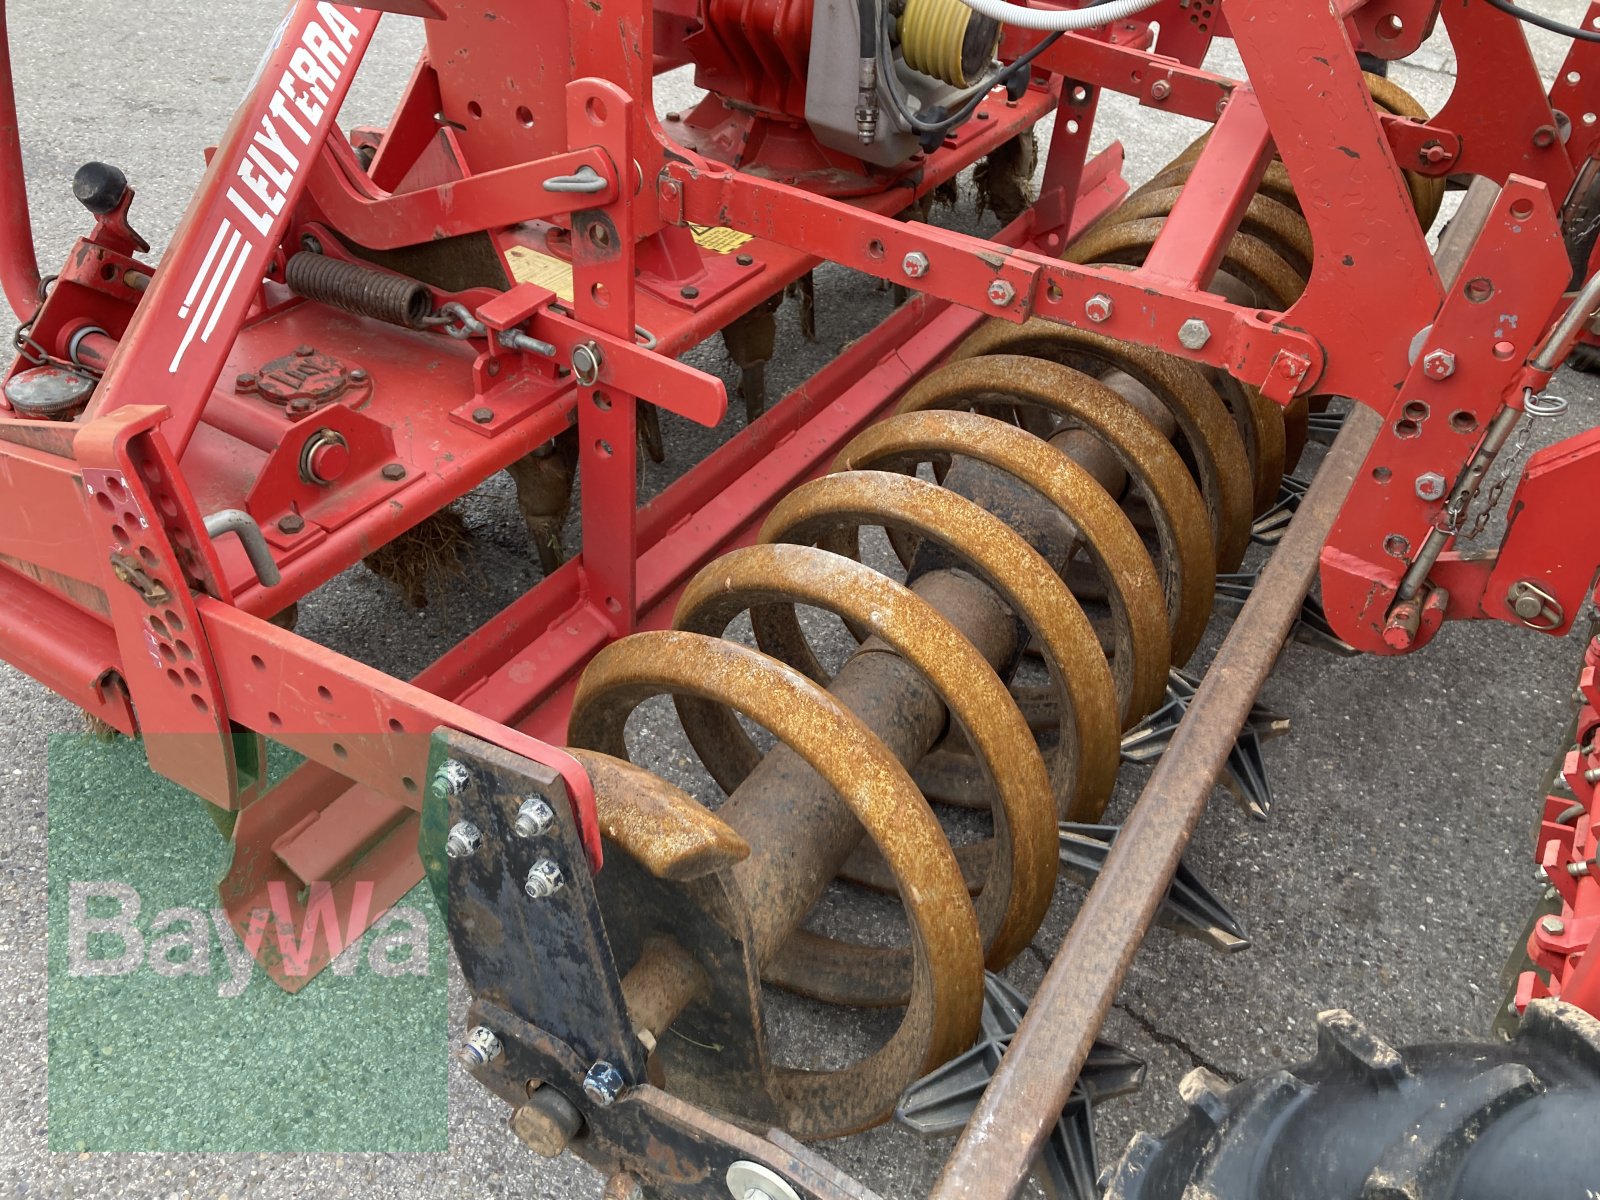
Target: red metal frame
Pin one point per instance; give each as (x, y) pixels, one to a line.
(1568, 853)
(122, 603)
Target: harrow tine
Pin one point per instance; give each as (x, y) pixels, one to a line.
(1244, 773)
(1189, 906)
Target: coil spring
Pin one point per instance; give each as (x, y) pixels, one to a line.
(1077, 417)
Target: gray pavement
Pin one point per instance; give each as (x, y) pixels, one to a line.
(1392, 878)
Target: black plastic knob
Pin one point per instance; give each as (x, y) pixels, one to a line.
(99, 187)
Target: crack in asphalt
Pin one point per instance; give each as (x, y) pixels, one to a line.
(1160, 1036)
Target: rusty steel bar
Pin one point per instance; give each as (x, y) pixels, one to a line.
(1020, 1107)
(19, 265)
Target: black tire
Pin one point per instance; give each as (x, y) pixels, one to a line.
(1363, 1121)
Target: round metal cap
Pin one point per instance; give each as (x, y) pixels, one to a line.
(745, 1177)
(48, 391)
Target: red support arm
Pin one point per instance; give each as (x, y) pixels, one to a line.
(19, 268)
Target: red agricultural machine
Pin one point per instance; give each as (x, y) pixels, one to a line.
(1069, 431)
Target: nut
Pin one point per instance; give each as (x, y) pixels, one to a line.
(1430, 485)
(544, 880)
(1439, 364)
(464, 839)
(535, 817)
(480, 1048)
(603, 1084)
(1160, 90)
(1098, 307)
(1194, 333)
(1001, 293)
(915, 264)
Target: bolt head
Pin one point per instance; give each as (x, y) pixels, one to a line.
(1430, 486)
(1194, 333)
(483, 415)
(293, 523)
(480, 1048)
(534, 818)
(1439, 364)
(464, 839)
(451, 777)
(1554, 926)
(915, 264)
(1098, 307)
(1001, 293)
(394, 472)
(603, 1084)
(544, 880)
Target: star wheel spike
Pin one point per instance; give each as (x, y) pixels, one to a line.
(1189, 907)
(1268, 529)
(1312, 628)
(1244, 774)
(944, 1101)
(1325, 426)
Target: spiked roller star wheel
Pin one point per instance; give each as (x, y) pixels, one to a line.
(1245, 773)
(1312, 628)
(1189, 906)
(1269, 527)
(943, 1102)
(1325, 426)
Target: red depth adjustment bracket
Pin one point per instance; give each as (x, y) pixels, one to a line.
(1568, 853)
(1391, 574)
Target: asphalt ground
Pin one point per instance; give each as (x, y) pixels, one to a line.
(1392, 878)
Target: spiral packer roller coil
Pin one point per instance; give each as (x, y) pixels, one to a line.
(1067, 468)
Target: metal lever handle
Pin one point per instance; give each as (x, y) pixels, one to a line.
(236, 520)
(586, 179)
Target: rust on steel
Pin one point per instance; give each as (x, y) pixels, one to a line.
(1029, 1090)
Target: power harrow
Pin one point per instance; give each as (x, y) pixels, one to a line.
(1071, 431)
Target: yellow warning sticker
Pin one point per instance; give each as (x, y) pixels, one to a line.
(543, 270)
(718, 239)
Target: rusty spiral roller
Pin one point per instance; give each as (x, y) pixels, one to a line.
(1068, 468)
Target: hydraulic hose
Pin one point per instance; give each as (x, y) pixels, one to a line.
(1058, 20)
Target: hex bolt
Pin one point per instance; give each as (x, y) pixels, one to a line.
(394, 472)
(464, 839)
(1430, 486)
(1193, 334)
(480, 1048)
(603, 1084)
(1001, 293)
(534, 818)
(1160, 90)
(451, 777)
(482, 416)
(293, 523)
(544, 880)
(1098, 308)
(1439, 364)
(915, 264)
(1592, 775)
(1554, 926)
